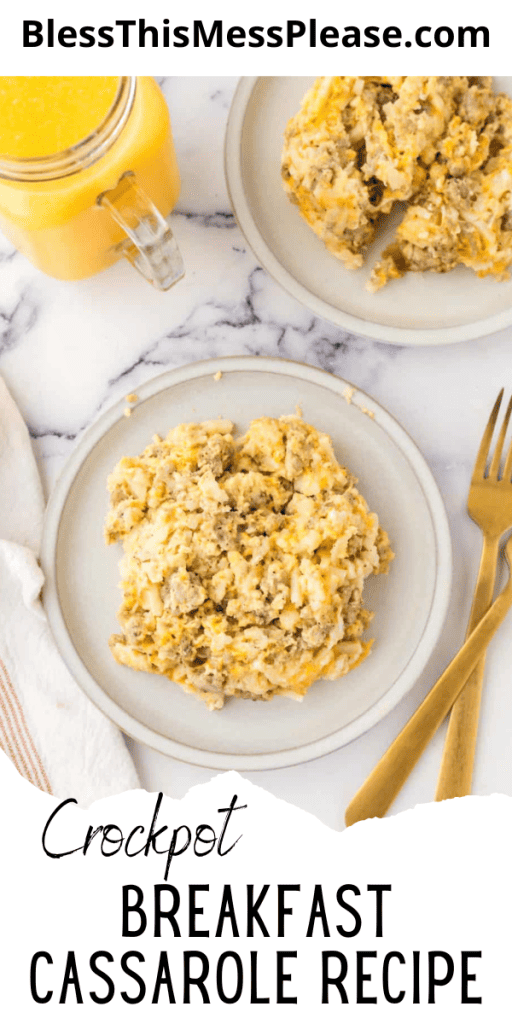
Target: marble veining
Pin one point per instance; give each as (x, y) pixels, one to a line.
(68, 351)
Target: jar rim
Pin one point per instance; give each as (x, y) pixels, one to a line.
(83, 153)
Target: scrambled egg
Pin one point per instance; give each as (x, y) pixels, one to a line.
(442, 144)
(244, 560)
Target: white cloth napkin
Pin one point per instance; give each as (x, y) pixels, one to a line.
(56, 738)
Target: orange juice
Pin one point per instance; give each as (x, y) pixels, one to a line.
(44, 115)
(65, 142)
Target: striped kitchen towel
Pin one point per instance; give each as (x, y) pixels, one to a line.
(53, 734)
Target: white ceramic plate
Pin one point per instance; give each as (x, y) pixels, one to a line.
(81, 594)
(420, 309)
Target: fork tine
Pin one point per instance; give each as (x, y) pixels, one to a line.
(496, 459)
(483, 451)
(507, 469)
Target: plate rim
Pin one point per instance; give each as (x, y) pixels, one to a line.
(404, 682)
(406, 336)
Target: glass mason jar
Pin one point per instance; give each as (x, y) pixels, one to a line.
(75, 212)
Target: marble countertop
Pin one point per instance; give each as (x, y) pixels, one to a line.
(68, 351)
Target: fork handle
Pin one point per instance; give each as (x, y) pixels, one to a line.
(387, 778)
(456, 772)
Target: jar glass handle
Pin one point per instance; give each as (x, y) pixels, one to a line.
(150, 245)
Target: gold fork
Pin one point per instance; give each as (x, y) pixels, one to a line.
(490, 507)
(382, 785)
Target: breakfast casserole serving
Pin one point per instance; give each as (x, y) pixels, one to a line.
(441, 144)
(244, 559)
